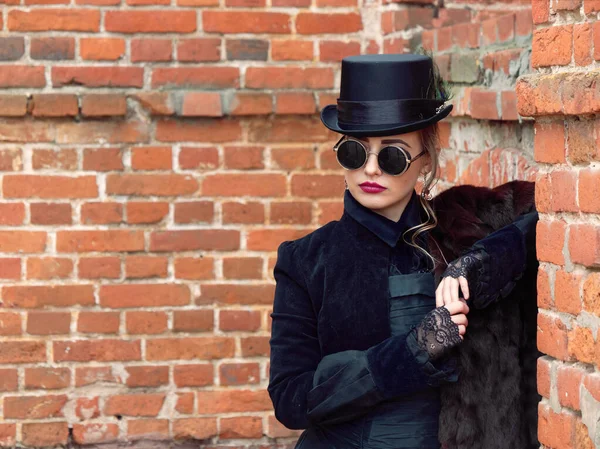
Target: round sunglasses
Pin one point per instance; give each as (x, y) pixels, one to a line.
(393, 160)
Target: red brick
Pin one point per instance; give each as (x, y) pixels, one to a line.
(244, 157)
(552, 337)
(444, 38)
(245, 22)
(98, 322)
(102, 49)
(13, 105)
(241, 427)
(229, 401)
(195, 428)
(99, 105)
(189, 348)
(589, 190)
(247, 49)
(150, 50)
(54, 20)
(99, 267)
(39, 296)
(543, 377)
(293, 158)
(144, 295)
(190, 240)
(199, 50)
(244, 184)
(582, 42)
(550, 241)
(581, 147)
(106, 241)
(552, 46)
(549, 142)
(10, 323)
(198, 158)
(242, 267)
(581, 344)
(564, 191)
(151, 158)
(45, 434)
(194, 268)
(584, 244)
(22, 241)
(146, 322)
(239, 373)
(205, 77)
(49, 159)
(54, 105)
(101, 213)
(34, 407)
(199, 131)
(147, 376)
(146, 212)
(104, 350)
(50, 213)
(555, 429)
(47, 378)
(49, 267)
(22, 76)
(146, 267)
(146, 184)
(289, 78)
(269, 239)
(566, 292)
(193, 321)
(239, 320)
(163, 21)
(10, 268)
(202, 104)
(194, 212)
(317, 186)
(199, 375)
(52, 48)
(102, 159)
(295, 103)
(97, 76)
(483, 105)
(89, 433)
(335, 51)
(147, 429)
(246, 213)
(569, 5)
(255, 346)
(134, 404)
(291, 50)
(254, 294)
(523, 22)
(291, 212)
(321, 23)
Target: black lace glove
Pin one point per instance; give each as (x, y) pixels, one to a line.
(470, 266)
(437, 333)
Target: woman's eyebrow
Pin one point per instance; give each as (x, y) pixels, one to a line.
(386, 141)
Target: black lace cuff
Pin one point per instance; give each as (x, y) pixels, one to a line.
(437, 333)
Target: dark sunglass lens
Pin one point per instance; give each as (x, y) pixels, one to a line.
(351, 155)
(392, 160)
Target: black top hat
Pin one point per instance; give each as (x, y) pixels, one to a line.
(388, 94)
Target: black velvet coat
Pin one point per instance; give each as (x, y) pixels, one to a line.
(320, 272)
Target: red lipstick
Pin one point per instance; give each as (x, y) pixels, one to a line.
(371, 187)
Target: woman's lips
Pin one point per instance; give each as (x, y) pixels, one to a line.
(371, 187)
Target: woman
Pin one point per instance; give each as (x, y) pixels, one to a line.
(362, 339)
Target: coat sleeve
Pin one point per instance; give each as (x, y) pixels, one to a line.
(306, 388)
(505, 255)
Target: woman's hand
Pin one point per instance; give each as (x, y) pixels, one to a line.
(442, 328)
(447, 291)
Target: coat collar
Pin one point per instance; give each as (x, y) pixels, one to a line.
(387, 230)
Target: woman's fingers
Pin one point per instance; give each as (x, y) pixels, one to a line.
(460, 318)
(439, 300)
(462, 330)
(464, 286)
(457, 307)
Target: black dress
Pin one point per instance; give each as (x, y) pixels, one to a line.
(404, 422)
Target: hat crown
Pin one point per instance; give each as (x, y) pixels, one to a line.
(386, 77)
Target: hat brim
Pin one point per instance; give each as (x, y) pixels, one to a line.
(330, 120)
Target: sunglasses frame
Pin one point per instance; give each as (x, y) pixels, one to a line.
(407, 155)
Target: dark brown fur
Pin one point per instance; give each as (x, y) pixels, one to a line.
(494, 403)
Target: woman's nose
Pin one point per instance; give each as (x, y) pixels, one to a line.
(372, 165)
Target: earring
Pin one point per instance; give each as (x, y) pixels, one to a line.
(346, 183)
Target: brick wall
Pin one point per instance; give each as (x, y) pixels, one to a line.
(153, 155)
(561, 95)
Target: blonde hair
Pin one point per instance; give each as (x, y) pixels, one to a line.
(430, 141)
